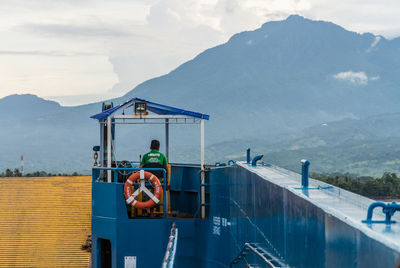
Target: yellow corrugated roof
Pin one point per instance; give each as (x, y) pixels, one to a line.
(44, 221)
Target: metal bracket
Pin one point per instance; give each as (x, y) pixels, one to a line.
(143, 188)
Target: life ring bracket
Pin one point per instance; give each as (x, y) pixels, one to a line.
(142, 176)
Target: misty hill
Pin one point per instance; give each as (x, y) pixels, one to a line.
(27, 106)
(272, 87)
(50, 136)
(285, 76)
(369, 146)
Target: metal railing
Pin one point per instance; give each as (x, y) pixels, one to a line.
(96, 174)
(201, 199)
(265, 256)
(169, 257)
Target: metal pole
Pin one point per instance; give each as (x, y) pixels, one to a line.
(21, 168)
(166, 173)
(165, 193)
(202, 142)
(167, 138)
(304, 172)
(102, 145)
(202, 180)
(109, 148)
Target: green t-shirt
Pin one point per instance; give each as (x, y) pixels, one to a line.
(154, 157)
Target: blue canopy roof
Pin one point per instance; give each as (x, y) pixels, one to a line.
(151, 106)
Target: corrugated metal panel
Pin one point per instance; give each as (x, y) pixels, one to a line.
(44, 221)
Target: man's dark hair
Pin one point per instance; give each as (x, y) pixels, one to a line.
(155, 145)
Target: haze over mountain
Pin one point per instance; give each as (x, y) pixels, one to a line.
(270, 88)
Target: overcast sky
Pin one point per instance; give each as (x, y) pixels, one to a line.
(80, 51)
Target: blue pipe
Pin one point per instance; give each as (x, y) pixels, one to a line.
(372, 207)
(389, 209)
(255, 159)
(231, 162)
(248, 155)
(304, 172)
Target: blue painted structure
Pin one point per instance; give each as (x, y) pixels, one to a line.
(261, 205)
(250, 214)
(304, 172)
(256, 159)
(248, 156)
(156, 108)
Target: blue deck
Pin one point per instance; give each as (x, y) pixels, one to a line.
(318, 227)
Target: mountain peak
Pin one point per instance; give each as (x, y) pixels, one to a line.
(23, 97)
(28, 104)
(298, 22)
(27, 98)
(295, 17)
(15, 96)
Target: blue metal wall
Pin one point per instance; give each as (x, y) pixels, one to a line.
(290, 227)
(244, 207)
(185, 185)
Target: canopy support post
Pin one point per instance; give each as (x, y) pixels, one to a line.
(101, 143)
(167, 138)
(109, 148)
(202, 179)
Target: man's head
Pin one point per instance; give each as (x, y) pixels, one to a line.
(155, 145)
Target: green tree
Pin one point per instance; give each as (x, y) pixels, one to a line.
(9, 173)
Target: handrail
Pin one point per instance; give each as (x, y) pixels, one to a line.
(169, 257)
(259, 255)
(165, 196)
(260, 252)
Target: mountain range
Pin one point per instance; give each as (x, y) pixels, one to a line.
(291, 89)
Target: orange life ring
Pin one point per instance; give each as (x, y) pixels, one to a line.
(130, 197)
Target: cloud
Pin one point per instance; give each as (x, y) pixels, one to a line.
(47, 53)
(374, 43)
(59, 75)
(73, 30)
(365, 17)
(355, 78)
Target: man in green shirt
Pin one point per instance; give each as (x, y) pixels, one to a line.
(155, 159)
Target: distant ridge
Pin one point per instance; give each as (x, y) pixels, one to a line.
(266, 85)
(28, 104)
